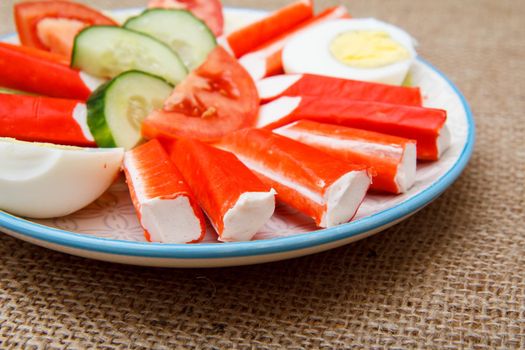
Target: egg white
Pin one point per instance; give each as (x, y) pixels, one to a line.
(309, 52)
(41, 180)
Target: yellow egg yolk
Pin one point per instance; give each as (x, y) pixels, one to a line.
(367, 49)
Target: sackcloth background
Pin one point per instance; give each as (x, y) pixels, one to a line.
(451, 277)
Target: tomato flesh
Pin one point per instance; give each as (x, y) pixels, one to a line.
(58, 34)
(215, 99)
(29, 14)
(209, 11)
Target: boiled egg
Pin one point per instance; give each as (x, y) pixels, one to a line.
(360, 49)
(40, 180)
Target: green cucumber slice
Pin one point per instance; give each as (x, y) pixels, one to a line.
(107, 51)
(180, 30)
(117, 108)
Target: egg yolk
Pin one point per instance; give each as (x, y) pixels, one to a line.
(367, 49)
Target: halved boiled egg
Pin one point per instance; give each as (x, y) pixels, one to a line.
(360, 49)
(40, 180)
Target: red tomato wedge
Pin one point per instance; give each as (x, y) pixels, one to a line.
(209, 11)
(57, 17)
(58, 34)
(217, 98)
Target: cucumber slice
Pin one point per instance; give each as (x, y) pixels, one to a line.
(106, 51)
(117, 108)
(180, 30)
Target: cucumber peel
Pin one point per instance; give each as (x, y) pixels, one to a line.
(116, 109)
(107, 51)
(180, 30)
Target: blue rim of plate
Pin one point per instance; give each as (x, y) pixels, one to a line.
(260, 247)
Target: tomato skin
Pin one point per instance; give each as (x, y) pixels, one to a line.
(28, 14)
(209, 11)
(215, 99)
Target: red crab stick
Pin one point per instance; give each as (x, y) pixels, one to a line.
(266, 60)
(237, 203)
(45, 119)
(322, 86)
(393, 159)
(166, 209)
(22, 69)
(46, 55)
(325, 188)
(253, 35)
(425, 125)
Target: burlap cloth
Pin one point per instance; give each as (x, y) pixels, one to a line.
(453, 276)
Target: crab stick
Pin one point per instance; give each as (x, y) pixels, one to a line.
(266, 60)
(425, 125)
(32, 71)
(323, 86)
(253, 35)
(165, 206)
(237, 203)
(327, 189)
(392, 158)
(46, 55)
(45, 119)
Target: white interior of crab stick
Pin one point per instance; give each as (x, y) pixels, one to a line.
(443, 141)
(90, 81)
(170, 220)
(406, 170)
(277, 110)
(344, 197)
(80, 116)
(223, 41)
(270, 88)
(167, 220)
(251, 211)
(255, 65)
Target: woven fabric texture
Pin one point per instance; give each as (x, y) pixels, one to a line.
(452, 276)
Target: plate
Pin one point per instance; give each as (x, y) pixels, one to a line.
(109, 230)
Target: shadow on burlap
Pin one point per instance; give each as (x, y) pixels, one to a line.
(450, 277)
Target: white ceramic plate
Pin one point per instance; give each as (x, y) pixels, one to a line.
(109, 230)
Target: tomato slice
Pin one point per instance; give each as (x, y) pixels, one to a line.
(58, 34)
(209, 11)
(215, 99)
(28, 16)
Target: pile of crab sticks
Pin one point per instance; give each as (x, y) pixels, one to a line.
(311, 110)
